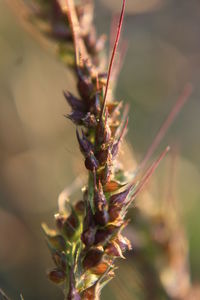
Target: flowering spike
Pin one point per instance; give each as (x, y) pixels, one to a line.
(89, 237)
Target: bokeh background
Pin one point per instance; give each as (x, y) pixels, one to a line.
(39, 156)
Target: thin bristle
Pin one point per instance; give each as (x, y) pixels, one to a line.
(113, 53)
(150, 172)
(167, 123)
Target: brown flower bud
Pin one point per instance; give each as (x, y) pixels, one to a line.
(102, 156)
(57, 276)
(92, 258)
(106, 173)
(80, 207)
(59, 259)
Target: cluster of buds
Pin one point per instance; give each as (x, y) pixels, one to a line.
(89, 238)
(54, 13)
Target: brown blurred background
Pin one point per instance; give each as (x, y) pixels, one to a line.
(39, 156)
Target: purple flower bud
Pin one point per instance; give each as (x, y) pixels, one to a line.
(101, 217)
(88, 236)
(120, 198)
(76, 117)
(76, 104)
(103, 235)
(91, 163)
(100, 201)
(103, 132)
(84, 144)
(85, 88)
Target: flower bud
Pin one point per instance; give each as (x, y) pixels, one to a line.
(92, 258)
(113, 249)
(91, 163)
(101, 217)
(76, 104)
(57, 276)
(80, 207)
(88, 236)
(106, 173)
(85, 145)
(102, 235)
(76, 117)
(59, 259)
(85, 88)
(123, 242)
(102, 156)
(114, 212)
(120, 198)
(100, 201)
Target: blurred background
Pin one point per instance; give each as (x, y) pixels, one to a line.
(39, 156)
